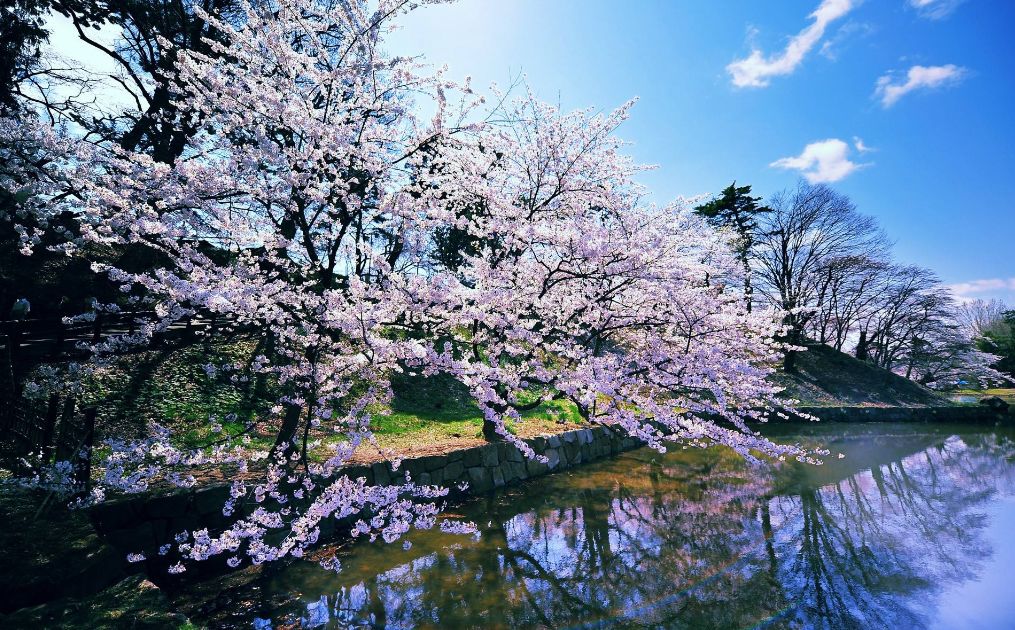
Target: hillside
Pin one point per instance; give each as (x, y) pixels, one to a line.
(827, 377)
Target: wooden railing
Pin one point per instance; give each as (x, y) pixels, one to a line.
(37, 434)
(51, 430)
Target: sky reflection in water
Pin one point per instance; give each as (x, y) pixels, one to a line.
(911, 529)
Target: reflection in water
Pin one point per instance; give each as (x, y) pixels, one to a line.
(691, 539)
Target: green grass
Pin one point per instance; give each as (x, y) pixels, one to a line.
(1005, 393)
(995, 391)
(173, 389)
(438, 411)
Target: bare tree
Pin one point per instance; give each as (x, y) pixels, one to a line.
(811, 229)
(849, 290)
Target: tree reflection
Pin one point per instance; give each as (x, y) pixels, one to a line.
(870, 549)
(692, 539)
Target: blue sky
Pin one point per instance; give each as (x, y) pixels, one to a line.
(765, 92)
(939, 172)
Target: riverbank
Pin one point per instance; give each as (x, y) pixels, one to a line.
(145, 522)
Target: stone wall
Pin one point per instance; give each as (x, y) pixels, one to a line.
(145, 522)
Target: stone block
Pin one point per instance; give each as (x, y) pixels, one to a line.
(498, 478)
(472, 457)
(513, 454)
(535, 468)
(553, 441)
(412, 467)
(479, 479)
(433, 462)
(169, 505)
(114, 515)
(490, 458)
(518, 470)
(381, 473)
(453, 472)
(436, 476)
(136, 539)
(554, 458)
(210, 500)
(355, 472)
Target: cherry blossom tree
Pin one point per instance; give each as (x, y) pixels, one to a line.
(311, 205)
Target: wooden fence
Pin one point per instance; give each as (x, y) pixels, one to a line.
(41, 432)
(38, 433)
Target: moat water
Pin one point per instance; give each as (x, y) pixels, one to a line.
(913, 528)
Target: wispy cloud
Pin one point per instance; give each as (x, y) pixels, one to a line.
(756, 69)
(832, 47)
(860, 146)
(935, 9)
(917, 78)
(822, 161)
(986, 287)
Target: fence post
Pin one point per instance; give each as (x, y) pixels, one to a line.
(83, 458)
(97, 330)
(66, 420)
(14, 355)
(48, 427)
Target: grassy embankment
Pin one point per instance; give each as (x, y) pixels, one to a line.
(426, 415)
(828, 378)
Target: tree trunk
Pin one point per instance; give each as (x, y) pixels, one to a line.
(748, 289)
(285, 441)
(789, 361)
(789, 358)
(490, 432)
(861, 346)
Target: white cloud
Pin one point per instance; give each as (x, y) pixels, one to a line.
(965, 291)
(756, 70)
(917, 77)
(821, 161)
(935, 9)
(860, 146)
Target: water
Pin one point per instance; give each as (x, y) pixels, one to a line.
(912, 528)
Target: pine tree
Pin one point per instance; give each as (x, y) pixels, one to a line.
(737, 210)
